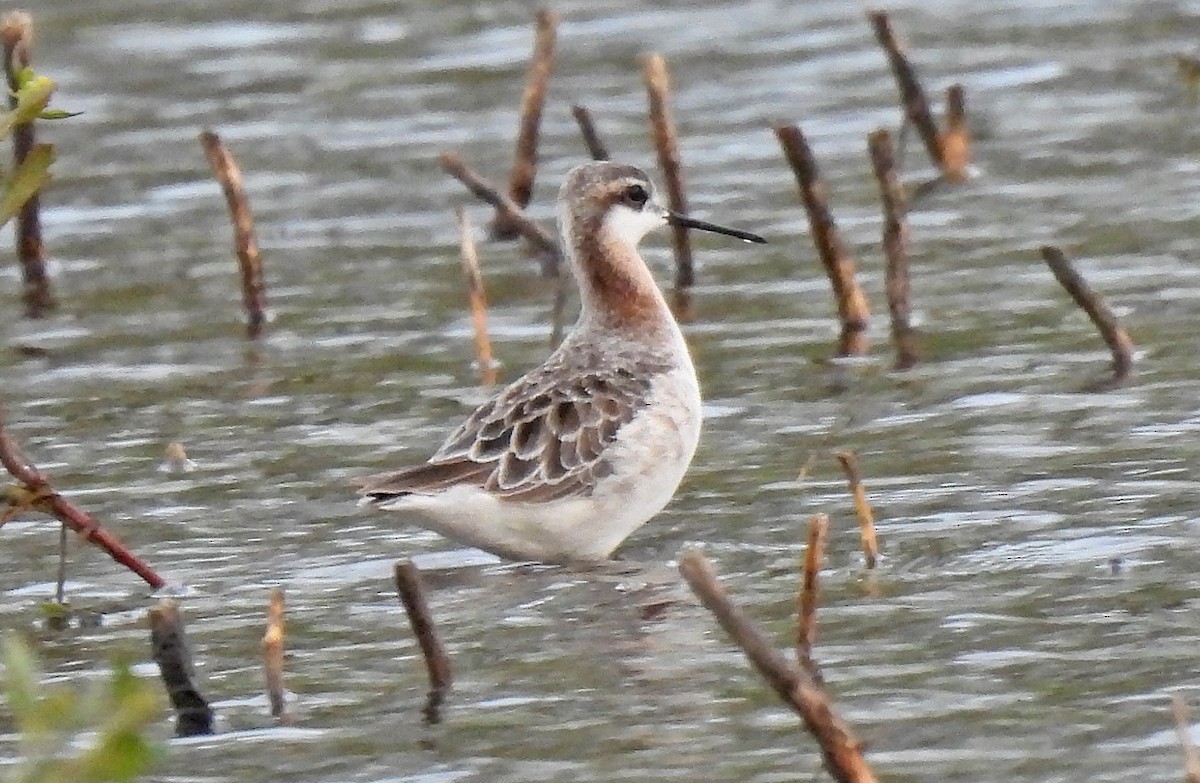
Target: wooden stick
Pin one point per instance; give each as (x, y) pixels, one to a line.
(272, 650)
(44, 497)
(16, 31)
(476, 297)
(542, 240)
(60, 583)
(666, 142)
(853, 311)
(1102, 316)
(520, 183)
(254, 289)
(173, 654)
(916, 106)
(840, 749)
(806, 615)
(895, 246)
(955, 140)
(591, 137)
(1183, 730)
(412, 595)
(862, 507)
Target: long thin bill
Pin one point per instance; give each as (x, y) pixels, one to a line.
(703, 225)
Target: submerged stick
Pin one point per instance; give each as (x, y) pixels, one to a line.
(541, 239)
(16, 32)
(36, 492)
(666, 142)
(412, 595)
(912, 97)
(254, 288)
(1116, 338)
(862, 507)
(955, 140)
(853, 312)
(173, 654)
(895, 247)
(272, 650)
(476, 297)
(840, 749)
(806, 615)
(591, 137)
(1191, 759)
(520, 182)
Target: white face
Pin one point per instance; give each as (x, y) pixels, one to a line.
(629, 225)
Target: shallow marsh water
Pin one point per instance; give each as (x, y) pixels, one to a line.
(1038, 596)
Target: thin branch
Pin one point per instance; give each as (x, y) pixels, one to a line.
(476, 298)
(862, 507)
(542, 240)
(591, 137)
(254, 288)
(806, 615)
(853, 312)
(1116, 338)
(437, 660)
(840, 748)
(272, 650)
(912, 97)
(666, 142)
(173, 654)
(895, 247)
(48, 500)
(520, 184)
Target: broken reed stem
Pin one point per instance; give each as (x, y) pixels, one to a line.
(1102, 316)
(591, 137)
(412, 595)
(254, 287)
(476, 297)
(542, 240)
(895, 247)
(841, 751)
(173, 654)
(862, 507)
(806, 615)
(1183, 730)
(43, 497)
(955, 140)
(666, 142)
(853, 312)
(16, 31)
(60, 583)
(272, 651)
(916, 106)
(520, 181)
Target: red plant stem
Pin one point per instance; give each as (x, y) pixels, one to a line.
(15, 462)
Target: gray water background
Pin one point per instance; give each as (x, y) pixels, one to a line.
(1037, 599)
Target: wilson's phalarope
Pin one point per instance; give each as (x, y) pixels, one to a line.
(574, 456)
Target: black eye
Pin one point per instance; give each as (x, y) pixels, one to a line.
(636, 196)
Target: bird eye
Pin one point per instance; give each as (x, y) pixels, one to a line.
(636, 196)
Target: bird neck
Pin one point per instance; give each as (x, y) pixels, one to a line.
(616, 289)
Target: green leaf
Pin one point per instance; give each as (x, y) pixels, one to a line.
(32, 98)
(58, 114)
(26, 180)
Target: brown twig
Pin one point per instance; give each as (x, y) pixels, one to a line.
(542, 240)
(254, 289)
(476, 297)
(1102, 316)
(520, 183)
(1183, 730)
(437, 660)
(666, 142)
(835, 257)
(591, 137)
(916, 106)
(47, 499)
(173, 654)
(840, 749)
(955, 140)
(806, 615)
(272, 650)
(16, 31)
(895, 247)
(862, 507)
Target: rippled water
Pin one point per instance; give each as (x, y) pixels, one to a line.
(1037, 599)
